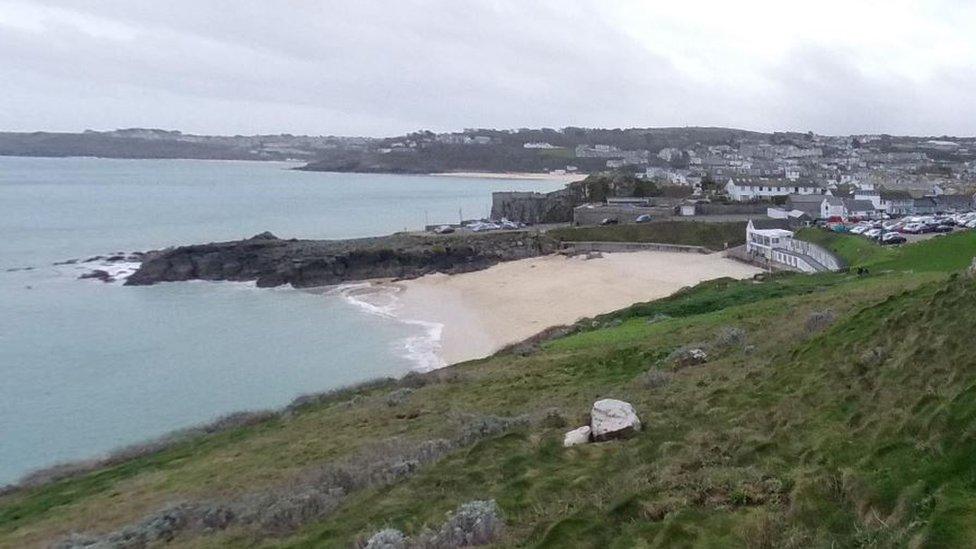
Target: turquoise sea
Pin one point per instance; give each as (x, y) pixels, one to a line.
(86, 366)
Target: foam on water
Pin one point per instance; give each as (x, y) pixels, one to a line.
(422, 350)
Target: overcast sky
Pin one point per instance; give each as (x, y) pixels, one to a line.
(359, 67)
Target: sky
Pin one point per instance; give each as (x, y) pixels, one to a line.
(382, 68)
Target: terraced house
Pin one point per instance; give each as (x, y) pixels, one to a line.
(747, 189)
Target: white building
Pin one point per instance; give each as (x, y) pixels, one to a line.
(765, 235)
(745, 189)
(832, 206)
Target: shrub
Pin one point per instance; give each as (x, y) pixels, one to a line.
(730, 337)
(689, 355)
(653, 378)
(398, 397)
(389, 538)
(474, 523)
(414, 380)
(819, 321)
(552, 418)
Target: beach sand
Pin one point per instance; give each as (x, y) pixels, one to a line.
(567, 177)
(486, 310)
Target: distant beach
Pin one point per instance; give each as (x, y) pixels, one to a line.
(566, 177)
(481, 312)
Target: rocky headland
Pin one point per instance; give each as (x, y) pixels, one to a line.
(272, 261)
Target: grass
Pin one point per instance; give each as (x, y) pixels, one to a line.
(714, 236)
(857, 433)
(939, 254)
(856, 251)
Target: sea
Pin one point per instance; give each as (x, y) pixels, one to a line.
(87, 366)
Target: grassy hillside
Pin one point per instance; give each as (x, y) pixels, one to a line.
(690, 233)
(833, 411)
(942, 253)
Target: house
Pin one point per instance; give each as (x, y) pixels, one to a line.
(896, 202)
(953, 203)
(772, 242)
(832, 206)
(924, 206)
(863, 209)
(745, 189)
(870, 195)
(763, 235)
(806, 203)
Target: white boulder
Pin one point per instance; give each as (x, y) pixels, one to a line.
(611, 418)
(577, 436)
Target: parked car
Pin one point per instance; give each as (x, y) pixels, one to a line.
(859, 229)
(644, 218)
(873, 233)
(893, 238)
(610, 221)
(913, 228)
(941, 229)
(444, 229)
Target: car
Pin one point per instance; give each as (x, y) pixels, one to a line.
(610, 221)
(644, 218)
(913, 228)
(444, 229)
(859, 229)
(941, 229)
(873, 233)
(893, 238)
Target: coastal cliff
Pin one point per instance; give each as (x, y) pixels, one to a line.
(272, 261)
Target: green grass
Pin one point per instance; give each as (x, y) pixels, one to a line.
(942, 254)
(860, 435)
(714, 236)
(939, 254)
(855, 250)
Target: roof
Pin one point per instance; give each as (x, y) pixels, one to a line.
(954, 200)
(773, 182)
(855, 205)
(769, 223)
(833, 200)
(805, 198)
(895, 195)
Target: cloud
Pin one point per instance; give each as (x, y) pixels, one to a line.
(382, 68)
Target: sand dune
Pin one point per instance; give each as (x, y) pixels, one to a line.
(485, 310)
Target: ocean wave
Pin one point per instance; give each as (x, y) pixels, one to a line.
(424, 349)
(117, 271)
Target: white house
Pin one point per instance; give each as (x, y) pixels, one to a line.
(765, 235)
(745, 189)
(832, 206)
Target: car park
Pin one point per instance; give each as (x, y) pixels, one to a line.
(892, 238)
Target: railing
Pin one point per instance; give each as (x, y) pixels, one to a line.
(818, 253)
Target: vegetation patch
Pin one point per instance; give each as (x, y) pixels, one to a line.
(715, 236)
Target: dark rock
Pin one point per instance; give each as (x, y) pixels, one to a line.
(271, 261)
(98, 274)
(266, 235)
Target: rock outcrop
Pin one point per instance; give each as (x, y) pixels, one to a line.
(305, 263)
(611, 419)
(577, 436)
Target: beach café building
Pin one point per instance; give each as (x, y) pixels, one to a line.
(765, 235)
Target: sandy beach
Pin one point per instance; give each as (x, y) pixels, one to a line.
(566, 177)
(484, 311)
